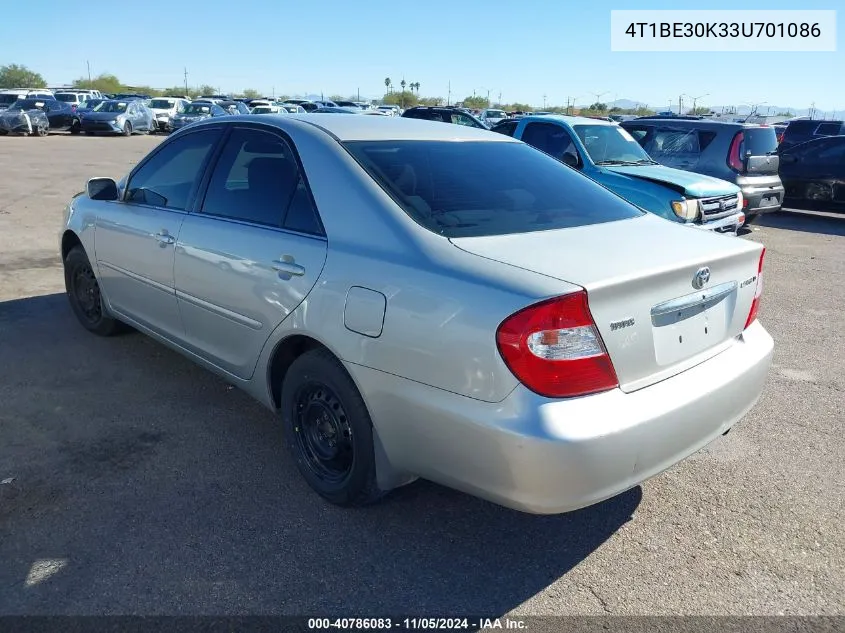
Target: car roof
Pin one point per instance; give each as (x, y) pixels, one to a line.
(571, 120)
(370, 128)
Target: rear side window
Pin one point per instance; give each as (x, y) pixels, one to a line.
(705, 138)
(828, 129)
(668, 141)
(446, 187)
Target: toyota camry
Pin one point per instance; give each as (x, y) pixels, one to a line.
(425, 300)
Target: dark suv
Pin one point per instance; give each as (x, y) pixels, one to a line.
(741, 153)
(443, 114)
(802, 130)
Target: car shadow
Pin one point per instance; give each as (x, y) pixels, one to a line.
(804, 221)
(136, 482)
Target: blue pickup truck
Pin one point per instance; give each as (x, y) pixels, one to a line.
(609, 155)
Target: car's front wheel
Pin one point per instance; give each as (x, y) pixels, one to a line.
(75, 127)
(328, 430)
(127, 129)
(83, 293)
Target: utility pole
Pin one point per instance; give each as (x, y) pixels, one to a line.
(87, 63)
(488, 98)
(449, 95)
(500, 100)
(680, 104)
(812, 110)
(186, 81)
(544, 102)
(598, 95)
(359, 94)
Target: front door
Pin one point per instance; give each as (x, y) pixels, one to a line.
(135, 238)
(250, 254)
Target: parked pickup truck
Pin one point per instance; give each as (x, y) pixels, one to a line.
(609, 155)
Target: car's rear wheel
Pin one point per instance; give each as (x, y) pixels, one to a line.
(328, 430)
(83, 293)
(127, 129)
(75, 127)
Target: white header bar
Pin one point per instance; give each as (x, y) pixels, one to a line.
(723, 31)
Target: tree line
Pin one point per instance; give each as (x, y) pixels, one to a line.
(18, 76)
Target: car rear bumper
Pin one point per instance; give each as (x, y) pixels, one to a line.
(756, 196)
(550, 456)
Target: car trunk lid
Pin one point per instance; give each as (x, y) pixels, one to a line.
(639, 277)
(754, 151)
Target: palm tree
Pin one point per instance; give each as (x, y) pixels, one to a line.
(416, 86)
(403, 83)
(387, 84)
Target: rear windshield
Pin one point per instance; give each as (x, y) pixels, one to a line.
(67, 97)
(446, 187)
(162, 104)
(759, 141)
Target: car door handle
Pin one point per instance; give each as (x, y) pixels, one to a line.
(165, 238)
(287, 266)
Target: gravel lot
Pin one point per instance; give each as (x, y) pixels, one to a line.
(145, 485)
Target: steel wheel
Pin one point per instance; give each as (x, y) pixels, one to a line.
(328, 429)
(83, 293)
(86, 293)
(324, 436)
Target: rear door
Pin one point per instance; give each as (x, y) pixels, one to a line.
(250, 253)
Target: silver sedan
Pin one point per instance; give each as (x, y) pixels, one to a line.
(426, 300)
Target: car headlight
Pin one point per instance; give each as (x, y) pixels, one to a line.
(685, 209)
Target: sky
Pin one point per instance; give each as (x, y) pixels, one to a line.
(556, 48)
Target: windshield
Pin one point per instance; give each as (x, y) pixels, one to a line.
(111, 106)
(610, 144)
(445, 186)
(198, 108)
(92, 103)
(67, 97)
(496, 114)
(760, 141)
(162, 104)
(262, 110)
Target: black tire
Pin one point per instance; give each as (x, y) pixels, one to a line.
(75, 127)
(89, 133)
(83, 293)
(127, 129)
(751, 219)
(328, 430)
(42, 131)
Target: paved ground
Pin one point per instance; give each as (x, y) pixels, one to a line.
(144, 485)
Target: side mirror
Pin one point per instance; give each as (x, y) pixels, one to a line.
(102, 189)
(571, 160)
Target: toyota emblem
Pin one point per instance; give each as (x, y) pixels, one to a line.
(701, 277)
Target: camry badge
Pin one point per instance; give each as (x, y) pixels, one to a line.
(701, 277)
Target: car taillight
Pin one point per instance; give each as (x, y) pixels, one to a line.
(755, 305)
(734, 159)
(554, 348)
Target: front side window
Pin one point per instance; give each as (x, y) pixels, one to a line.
(171, 175)
(463, 119)
(506, 127)
(446, 187)
(257, 180)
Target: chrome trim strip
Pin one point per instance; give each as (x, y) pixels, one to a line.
(704, 298)
(144, 280)
(240, 319)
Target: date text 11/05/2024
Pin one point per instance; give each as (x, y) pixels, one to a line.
(416, 624)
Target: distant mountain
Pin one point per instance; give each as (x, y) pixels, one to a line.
(630, 104)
